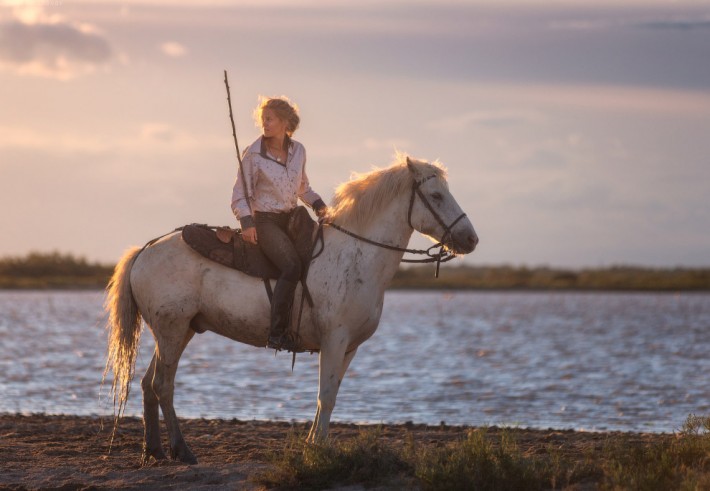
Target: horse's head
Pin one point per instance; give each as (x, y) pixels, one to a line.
(433, 210)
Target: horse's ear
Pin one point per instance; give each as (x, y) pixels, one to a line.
(415, 170)
(410, 165)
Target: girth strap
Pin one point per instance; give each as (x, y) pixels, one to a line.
(269, 291)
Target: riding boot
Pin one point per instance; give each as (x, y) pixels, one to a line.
(281, 306)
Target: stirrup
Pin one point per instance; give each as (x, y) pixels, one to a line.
(282, 341)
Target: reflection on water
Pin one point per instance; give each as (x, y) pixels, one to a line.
(564, 360)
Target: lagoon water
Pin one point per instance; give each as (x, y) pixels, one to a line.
(592, 361)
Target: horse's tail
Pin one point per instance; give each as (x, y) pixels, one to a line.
(124, 326)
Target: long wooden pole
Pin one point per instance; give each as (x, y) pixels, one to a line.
(236, 144)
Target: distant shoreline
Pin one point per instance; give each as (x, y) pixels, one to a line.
(669, 291)
(507, 278)
(55, 271)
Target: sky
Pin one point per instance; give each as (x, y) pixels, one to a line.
(576, 134)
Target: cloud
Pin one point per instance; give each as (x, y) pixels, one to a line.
(158, 132)
(22, 137)
(173, 49)
(603, 23)
(151, 138)
(498, 118)
(36, 44)
(386, 144)
(682, 24)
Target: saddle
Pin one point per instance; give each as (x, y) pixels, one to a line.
(226, 246)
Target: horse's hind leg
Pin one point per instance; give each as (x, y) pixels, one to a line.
(168, 355)
(151, 417)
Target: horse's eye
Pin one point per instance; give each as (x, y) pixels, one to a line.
(437, 196)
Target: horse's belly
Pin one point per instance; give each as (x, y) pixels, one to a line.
(240, 332)
(238, 309)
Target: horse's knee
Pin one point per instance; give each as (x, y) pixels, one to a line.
(163, 390)
(149, 394)
(147, 383)
(157, 385)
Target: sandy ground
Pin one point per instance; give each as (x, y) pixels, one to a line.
(70, 452)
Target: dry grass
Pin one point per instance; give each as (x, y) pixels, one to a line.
(480, 461)
(493, 460)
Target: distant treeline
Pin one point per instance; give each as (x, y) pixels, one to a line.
(544, 278)
(56, 270)
(52, 270)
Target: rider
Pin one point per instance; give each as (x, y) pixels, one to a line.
(275, 177)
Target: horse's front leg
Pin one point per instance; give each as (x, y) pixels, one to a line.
(334, 362)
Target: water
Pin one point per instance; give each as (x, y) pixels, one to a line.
(593, 361)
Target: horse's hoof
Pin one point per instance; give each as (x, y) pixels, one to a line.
(184, 455)
(150, 456)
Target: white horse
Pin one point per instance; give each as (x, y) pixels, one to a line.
(177, 292)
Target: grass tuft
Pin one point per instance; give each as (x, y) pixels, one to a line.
(365, 459)
(682, 462)
(476, 463)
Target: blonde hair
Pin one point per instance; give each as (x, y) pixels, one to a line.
(284, 109)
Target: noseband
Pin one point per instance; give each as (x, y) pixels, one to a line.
(439, 257)
(418, 192)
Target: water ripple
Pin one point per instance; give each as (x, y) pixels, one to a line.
(595, 361)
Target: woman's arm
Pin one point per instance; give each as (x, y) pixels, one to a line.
(307, 194)
(240, 202)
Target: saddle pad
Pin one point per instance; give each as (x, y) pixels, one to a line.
(227, 247)
(237, 254)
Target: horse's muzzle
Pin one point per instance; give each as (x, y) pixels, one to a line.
(464, 241)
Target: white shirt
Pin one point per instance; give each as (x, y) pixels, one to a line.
(272, 186)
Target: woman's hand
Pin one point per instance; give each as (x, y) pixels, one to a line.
(249, 234)
(322, 211)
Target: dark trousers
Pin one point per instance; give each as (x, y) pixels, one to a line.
(275, 243)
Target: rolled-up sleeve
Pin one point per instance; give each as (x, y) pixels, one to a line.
(304, 190)
(240, 202)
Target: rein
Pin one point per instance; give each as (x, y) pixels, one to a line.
(442, 256)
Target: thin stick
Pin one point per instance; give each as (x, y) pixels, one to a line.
(234, 134)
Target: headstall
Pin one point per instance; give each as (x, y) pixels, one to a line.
(442, 256)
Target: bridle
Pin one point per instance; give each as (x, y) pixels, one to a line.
(442, 256)
(418, 192)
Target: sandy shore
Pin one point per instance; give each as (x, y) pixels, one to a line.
(70, 452)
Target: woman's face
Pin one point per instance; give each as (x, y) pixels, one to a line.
(272, 125)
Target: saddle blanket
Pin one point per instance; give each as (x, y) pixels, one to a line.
(227, 247)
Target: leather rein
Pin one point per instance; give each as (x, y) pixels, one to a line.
(442, 256)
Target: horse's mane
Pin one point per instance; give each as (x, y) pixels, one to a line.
(359, 200)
